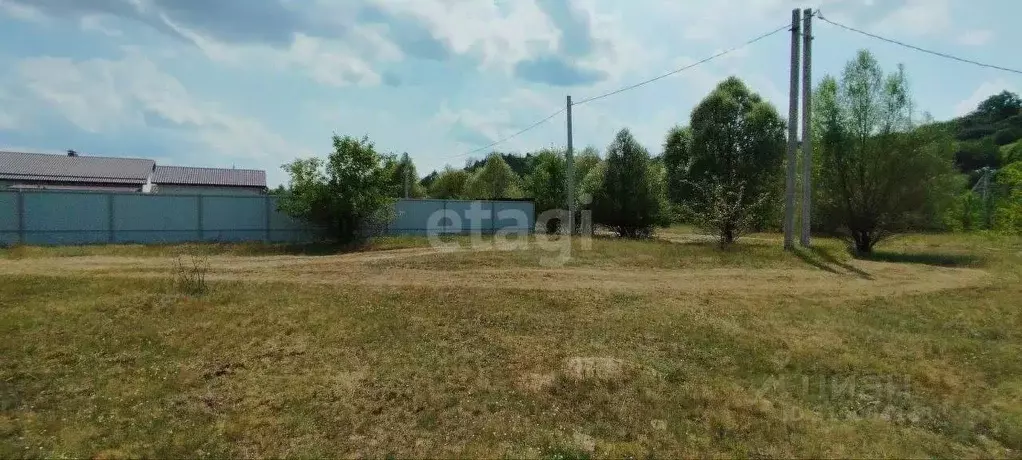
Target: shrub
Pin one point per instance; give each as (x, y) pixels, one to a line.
(347, 195)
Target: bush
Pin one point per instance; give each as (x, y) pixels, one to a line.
(190, 278)
(347, 195)
(722, 208)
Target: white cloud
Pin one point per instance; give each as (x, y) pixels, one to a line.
(983, 91)
(20, 12)
(977, 37)
(98, 24)
(334, 62)
(917, 17)
(117, 96)
(498, 34)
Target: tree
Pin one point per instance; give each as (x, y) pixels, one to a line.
(427, 181)
(878, 173)
(495, 180)
(677, 158)
(347, 194)
(547, 185)
(737, 149)
(449, 184)
(627, 200)
(1008, 213)
(401, 174)
(999, 106)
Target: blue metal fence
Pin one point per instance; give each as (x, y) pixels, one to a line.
(65, 217)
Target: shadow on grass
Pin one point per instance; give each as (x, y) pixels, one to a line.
(928, 258)
(823, 260)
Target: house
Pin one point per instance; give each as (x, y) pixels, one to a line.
(73, 172)
(79, 172)
(180, 180)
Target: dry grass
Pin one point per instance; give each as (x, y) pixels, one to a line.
(751, 352)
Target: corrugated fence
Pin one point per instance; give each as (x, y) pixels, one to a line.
(63, 218)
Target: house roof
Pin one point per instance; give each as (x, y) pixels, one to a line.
(180, 175)
(63, 168)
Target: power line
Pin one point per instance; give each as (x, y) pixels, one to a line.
(503, 140)
(924, 50)
(627, 88)
(682, 69)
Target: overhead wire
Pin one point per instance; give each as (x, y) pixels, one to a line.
(917, 48)
(505, 139)
(682, 69)
(626, 88)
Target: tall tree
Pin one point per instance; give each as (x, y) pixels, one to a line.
(347, 194)
(677, 159)
(450, 184)
(401, 175)
(628, 201)
(495, 180)
(878, 175)
(737, 148)
(547, 185)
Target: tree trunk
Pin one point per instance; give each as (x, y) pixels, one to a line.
(863, 242)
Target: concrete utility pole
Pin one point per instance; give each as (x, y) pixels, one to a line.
(807, 126)
(570, 163)
(789, 184)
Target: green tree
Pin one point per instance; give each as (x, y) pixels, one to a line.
(547, 185)
(347, 194)
(737, 149)
(427, 181)
(449, 184)
(1008, 211)
(677, 158)
(627, 200)
(495, 180)
(401, 173)
(878, 174)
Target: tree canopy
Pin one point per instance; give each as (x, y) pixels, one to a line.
(877, 173)
(346, 195)
(734, 161)
(495, 180)
(630, 199)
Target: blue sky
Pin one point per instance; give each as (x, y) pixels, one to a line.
(255, 83)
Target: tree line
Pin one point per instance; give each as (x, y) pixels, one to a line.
(879, 168)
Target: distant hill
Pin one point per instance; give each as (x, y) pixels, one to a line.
(990, 135)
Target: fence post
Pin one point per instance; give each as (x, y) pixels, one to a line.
(198, 206)
(268, 218)
(110, 217)
(21, 216)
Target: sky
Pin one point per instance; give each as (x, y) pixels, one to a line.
(256, 83)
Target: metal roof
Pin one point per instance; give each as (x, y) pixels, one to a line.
(63, 168)
(181, 175)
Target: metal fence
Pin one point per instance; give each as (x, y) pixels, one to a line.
(66, 218)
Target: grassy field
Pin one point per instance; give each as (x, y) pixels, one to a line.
(653, 349)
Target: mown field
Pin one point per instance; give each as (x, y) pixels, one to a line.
(655, 349)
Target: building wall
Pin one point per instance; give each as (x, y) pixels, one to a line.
(170, 189)
(62, 218)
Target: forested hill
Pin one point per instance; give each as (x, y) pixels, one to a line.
(991, 135)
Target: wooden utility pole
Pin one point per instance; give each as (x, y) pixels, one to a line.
(789, 184)
(807, 126)
(570, 163)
